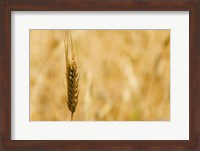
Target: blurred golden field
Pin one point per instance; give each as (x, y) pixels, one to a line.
(124, 75)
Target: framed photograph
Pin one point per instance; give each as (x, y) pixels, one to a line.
(92, 75)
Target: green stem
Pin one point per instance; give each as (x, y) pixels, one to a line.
(72, 116)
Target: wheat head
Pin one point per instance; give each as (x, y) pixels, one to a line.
(72, 76)
(72, 86)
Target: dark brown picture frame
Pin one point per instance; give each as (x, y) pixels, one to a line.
(7, 6)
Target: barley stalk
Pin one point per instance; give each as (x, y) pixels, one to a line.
(72, 75)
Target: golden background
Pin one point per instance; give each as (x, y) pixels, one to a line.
(124, 75)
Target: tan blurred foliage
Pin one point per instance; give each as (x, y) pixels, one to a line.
(124, 75)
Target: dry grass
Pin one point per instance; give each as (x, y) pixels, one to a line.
(124, 75)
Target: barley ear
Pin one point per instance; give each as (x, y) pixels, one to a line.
(72, 75)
